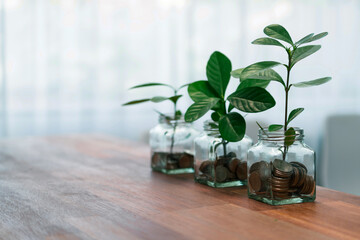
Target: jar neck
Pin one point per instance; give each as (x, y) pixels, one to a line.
(279, 135)
(171, 121)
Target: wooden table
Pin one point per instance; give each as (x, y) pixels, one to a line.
(97, 187)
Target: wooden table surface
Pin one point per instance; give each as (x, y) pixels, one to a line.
(99, 187)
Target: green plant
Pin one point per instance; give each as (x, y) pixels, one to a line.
(210, 95)
(157, 99)
(295, 52)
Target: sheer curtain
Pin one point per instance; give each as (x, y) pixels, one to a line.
(66, 65)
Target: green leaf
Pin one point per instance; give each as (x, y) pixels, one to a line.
(311, 83)
(178, 113)
(231, 107)
(252, 99)
(136, 101)
(268, 75)
(279, 32)
(257, 69)
(158, 99)
(175, 98)
(215, 116)
(267, 41)
(232, 127)
(319, 36)
(289, 137)
(294, 113)
(151, 84)
(253, 83)
(316, 37)
(198, 109)
(201, 90)
(275, 127)
(304, 39)
(303, 52)
(237, 73)
(218, 71)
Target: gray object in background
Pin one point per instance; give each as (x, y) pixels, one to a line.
(340, 162)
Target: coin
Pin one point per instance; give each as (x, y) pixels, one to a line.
(255, 181)
(241, 171)
(282, 166)
(221, 161)
(233, 164)
(299, 164)
(221, 173)
(206, 166)
(186, 161)
(231, 155)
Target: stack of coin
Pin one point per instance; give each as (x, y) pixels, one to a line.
(301, 183)
(280, 179)
(226, 168)
(172, 161)
(260, 173)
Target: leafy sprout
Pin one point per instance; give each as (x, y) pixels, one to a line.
(157, 99)
(210, 94)
(296, 51)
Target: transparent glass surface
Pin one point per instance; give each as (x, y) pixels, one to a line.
(279, 175)
(218, 164)
(171, 143)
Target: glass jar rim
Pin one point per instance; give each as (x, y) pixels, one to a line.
(171, 120)
(279, 135)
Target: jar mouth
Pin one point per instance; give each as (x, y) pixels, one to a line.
(279, 135)
(170, 119)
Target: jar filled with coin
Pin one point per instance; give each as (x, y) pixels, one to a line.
(281, 173)
(171, 143)
(219, 163)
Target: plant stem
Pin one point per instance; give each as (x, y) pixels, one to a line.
(287, 99)
(174, 128)
(224, 147)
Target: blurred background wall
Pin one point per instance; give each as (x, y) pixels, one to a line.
(66, 65)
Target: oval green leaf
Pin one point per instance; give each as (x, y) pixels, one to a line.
(198, 109)
(312, 83)
(279, 32)
(267, 41)
(136, 101)
(175, 98)
(218, 71)
(232, 127)
(303, 52)
(253, 83)
(215, 116)
(201, 90)
(151, 85)
(294, 113)
(256, 69)
(290, 135)
(316, 37)
(275, 127)
(304, 39)
(252, 99)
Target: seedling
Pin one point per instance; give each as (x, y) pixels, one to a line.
(157, 99)
(263, 71)
(210, 95)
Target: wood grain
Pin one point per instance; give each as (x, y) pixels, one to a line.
(100, 187)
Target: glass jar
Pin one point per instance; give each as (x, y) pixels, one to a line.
(171, 143)
(219, 163)
(279, 175)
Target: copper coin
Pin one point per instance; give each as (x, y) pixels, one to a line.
(156, 159)
(241, 171)
(232, 165)
(255, 181)
(302, 177)
(186, 161)
(299, 164)
(277, 189)
(206, 166)
(295, 177)
(282, 166)
(221, 173)
(231, 155)
(254, 167)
